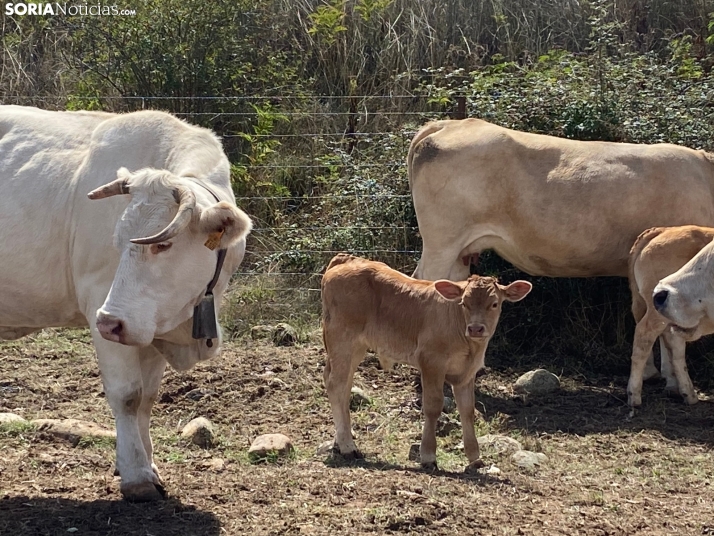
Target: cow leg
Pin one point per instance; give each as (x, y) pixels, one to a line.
(465, 400)
(432, 403)
(153, 365)
(646, 332)
(122, 375)
(676, 346)
(666, 366)
(441, 265)
(650, 368)
(343, 357)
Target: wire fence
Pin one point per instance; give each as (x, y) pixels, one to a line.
(318, 176)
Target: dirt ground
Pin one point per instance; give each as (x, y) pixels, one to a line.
(606, 474)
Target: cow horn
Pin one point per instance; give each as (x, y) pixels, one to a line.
(187, 202)
(116, 187)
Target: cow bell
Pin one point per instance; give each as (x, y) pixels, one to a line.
(204, 320)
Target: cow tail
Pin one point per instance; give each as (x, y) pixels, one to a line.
(638, 303)
(424, 132)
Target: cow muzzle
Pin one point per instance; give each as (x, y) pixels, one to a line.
(476, 331)
(111, 328)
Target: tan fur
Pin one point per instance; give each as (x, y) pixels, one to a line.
(656, 253)
(366, 304)
(550, 206)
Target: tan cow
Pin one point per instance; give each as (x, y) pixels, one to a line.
(657, 253)
(442, 328)
(549, 206)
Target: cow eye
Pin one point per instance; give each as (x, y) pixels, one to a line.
(495, 304)
(158, 248)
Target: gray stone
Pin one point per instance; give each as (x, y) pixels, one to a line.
(10, 417)
(449, 405)
(499, 444)
(73, 430)
(359, 399)
(325, 448)
(284, 335)
(527, 459)
(201, 432)
(198, 394)
(261, 332)
(266, 445)
(536, 382)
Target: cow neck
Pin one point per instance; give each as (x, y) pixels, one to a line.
(219, 266)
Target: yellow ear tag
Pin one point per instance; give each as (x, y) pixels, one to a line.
(214, 239)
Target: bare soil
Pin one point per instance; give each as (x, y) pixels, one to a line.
(606, 473)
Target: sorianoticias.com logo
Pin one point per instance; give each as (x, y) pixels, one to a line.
(58, 8)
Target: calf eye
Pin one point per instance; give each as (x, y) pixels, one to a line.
(158, 248)
(495, 304)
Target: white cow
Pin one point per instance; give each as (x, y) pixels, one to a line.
(113, 221)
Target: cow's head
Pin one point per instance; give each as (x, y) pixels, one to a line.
(167, 238)
(480, 299)
(686, 297)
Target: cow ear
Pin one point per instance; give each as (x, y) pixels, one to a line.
(517, 290)
(448, 289)
(225, 224)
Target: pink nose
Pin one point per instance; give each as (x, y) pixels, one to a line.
(476, 330)
(110, 327)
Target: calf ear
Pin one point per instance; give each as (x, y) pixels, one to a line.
(448, 289)
(517, 290)
(224, 224)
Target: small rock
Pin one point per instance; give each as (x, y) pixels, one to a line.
(284, 335)
(270, 444)
(527, 459)
(414, 452)
(10, 417)
(198, 394)
(261, 332)
(449, 405)
(325, 448)
(498, 443)
(73, 430)
(493, 470)
(445, 425)
(216, 465)
(201, 432)
(536, 382)
(359, 399)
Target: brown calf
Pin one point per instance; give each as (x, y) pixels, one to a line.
(657, 253)
(442, 328)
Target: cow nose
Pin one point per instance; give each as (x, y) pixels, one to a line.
(660, 299)
(476, 330)
(110, 327)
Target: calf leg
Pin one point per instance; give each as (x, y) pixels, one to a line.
(676, 346)
(646, 332)
(122, 376)
(343, 356)
(464, 395)
(432, 384)
(666, 366)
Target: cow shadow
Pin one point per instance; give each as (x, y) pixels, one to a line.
(30, 516)
(600, 406)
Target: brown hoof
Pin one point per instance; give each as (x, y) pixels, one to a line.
(474, 466)
(347, 456)
(429, 466)
(144, 492)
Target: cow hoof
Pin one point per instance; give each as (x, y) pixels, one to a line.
(429, 466)
(690, 400)
(474, 466)
(144, 492)
(634, 401)
(347, 456)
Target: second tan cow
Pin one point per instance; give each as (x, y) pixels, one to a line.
(657, 253)
(442, 328)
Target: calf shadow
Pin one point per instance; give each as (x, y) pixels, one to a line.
(31, 516)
